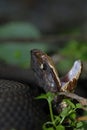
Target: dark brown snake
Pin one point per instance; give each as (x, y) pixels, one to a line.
(18, 107)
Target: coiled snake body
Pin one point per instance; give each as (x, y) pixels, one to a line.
(18, 108)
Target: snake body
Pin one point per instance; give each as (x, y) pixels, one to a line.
(18, 107)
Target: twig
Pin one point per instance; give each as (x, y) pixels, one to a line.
(49, 38)
(82, 118)
(81, 100)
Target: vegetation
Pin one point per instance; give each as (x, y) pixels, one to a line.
(67, 118)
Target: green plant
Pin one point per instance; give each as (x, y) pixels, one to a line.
(66, 118)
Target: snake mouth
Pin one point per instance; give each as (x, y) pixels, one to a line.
(69, 81)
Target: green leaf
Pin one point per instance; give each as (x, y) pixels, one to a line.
(78, 105)
(50, 96)
(79, 124)
(50, 128)
(60, 127)
(65, 112)
(78, 49)
(19, 29)
(57, 119)
(47, 124)
(19, 54)
(42, 96)
(72, 116)
(71, 104)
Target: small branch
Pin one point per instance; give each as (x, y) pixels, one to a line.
(49, 38)
(82, 118)
(81, 100)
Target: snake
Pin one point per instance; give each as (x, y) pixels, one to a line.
(19, 110)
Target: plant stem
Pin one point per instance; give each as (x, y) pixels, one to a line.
(62, 120)
(51, 114)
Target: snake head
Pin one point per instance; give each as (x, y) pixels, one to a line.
(47, 75)
(45, 72)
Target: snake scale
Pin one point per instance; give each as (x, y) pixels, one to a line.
(19, 109)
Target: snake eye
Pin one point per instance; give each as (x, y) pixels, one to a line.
(43, 66)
